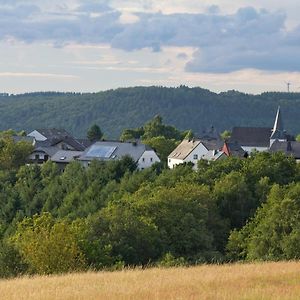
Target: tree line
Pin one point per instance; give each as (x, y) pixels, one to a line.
(114, 110)
(111, 215)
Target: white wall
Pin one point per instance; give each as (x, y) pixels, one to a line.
(148, 158)
(200, 151)
(172, 162)
(251, 149)
(40, 154)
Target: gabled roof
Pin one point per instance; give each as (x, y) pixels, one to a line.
(48, 150)
(70, 141)
(233, 149)
(53, 133)
(290, 148)
(184, 149)
(108, 150)
(251, 136)
(85, 142)
(214, 155)
(212, 144)
(55, 136)
(63, 156)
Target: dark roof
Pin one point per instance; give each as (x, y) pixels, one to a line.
(53, 133)
(63, 156)
(290, 148)
(251, 136)
(48, 150)
(70, 141)
(55, 136)
(85, 142)
(233, 149)
(212, 144)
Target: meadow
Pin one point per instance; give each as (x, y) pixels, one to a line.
(279, 280)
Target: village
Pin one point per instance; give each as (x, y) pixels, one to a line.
(62, 148)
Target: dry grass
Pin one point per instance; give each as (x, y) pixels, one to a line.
(249, 281)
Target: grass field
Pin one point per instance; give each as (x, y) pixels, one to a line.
(247, 281)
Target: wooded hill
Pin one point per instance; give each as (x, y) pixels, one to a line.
(115, 110)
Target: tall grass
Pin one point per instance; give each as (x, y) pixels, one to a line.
(245, 281)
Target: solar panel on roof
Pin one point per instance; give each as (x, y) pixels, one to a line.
(101, 151)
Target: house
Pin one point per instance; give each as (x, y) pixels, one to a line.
(50, 141)
(63, 157)
(289, 148)
(41, 154)
(251, 138)
(190, 151)
(260, 138)
(234, 149)
(214, 155)
(143, 155)
(59, 138)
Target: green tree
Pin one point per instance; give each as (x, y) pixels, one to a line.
(48, 246)
(94, 133)
(225, 135)
(234, 199)
(13, 155)
(11, 264)
(274, 232)
(162, 146)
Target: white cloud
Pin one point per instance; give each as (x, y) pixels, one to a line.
(167, 40)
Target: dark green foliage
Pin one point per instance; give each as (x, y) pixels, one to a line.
(94, 133)
(11, 263)
(274, 232)
(183, 107)
(111, 215)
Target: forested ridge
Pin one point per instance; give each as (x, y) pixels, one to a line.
(114, 110)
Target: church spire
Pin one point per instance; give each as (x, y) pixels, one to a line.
(278, 131)
(278, 125)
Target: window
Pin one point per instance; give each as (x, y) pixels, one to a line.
(37, 157)
(143, 159)
(195, 156)
(151, 159)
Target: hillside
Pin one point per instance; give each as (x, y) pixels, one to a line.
(253, 281)
(114, 110)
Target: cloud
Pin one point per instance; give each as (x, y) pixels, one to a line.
(248, 38)
(37, 75)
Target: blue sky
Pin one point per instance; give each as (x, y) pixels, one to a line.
(75, 45)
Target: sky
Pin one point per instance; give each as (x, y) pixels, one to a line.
(89, 46)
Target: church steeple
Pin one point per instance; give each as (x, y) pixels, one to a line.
(278, 132)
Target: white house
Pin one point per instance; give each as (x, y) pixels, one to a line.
(143, 155)
(190, 151)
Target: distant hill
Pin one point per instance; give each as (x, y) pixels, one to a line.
(114, 110)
